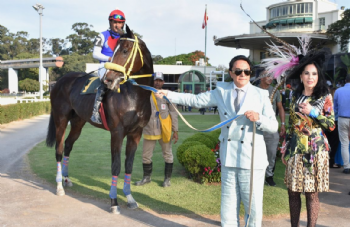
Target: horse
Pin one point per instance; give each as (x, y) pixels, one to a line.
(127, 109)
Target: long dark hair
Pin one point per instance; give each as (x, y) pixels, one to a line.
(321, 88)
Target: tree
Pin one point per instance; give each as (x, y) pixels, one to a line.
(156, 58)
(74, 62)
(83, 41)
(137, 34)
(29, 85)
(222, 68)
(57, 46)
(187, 59)
(196, 55)
(340, 31)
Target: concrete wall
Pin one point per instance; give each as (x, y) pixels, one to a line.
(330, 17)
(13, 80)
(166, 69)
(326, 6)
(255, 29)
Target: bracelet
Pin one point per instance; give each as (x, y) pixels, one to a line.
(282, 123)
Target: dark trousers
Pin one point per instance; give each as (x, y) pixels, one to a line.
(333, 140)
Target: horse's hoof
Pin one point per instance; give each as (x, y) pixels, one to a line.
(60, 192)
(115, 209)
(133, 205)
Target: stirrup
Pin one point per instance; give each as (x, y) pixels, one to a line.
(96, 118)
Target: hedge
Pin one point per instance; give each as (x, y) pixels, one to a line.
(183, 147)
(14, 112)
(202, 138)
(198, 157)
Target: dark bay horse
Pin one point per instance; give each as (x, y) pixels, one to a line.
(127, 112)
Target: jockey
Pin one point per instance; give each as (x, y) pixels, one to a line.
(105, 44)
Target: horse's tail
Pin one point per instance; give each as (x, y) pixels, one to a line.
(51, 133)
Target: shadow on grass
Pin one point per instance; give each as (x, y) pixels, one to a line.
(139, 214)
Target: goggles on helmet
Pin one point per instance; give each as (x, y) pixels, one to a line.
(117, 17)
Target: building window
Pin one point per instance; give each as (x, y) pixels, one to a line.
(322, 22)
(262, 55)
(291, 9)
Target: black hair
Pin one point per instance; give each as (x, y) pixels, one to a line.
(240, 57)
(321, 88)
(347, 78)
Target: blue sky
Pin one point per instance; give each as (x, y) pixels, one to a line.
(168, 27)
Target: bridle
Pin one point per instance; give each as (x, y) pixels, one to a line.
(131, 59)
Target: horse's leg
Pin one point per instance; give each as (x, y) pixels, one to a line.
(77, 124)
(131, 146)
(61, 125)
(116, 145)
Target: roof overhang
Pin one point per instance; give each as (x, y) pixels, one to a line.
(258, 41)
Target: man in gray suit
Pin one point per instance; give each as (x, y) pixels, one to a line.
(237, 98)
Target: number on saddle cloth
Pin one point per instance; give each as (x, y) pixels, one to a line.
(91, 85)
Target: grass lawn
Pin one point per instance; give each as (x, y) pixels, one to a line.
(90, 172)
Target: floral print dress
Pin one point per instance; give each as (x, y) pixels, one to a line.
(306, 146)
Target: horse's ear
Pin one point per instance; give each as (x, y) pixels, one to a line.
(129, 32)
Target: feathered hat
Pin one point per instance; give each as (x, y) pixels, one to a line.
(288, 61)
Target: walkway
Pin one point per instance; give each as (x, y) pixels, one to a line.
(29, 201)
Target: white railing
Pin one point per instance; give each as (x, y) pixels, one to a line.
(8, 101)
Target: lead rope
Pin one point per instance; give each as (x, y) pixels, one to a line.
(217, 126)
(251, 176)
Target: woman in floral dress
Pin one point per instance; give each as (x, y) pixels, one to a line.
(305, 149)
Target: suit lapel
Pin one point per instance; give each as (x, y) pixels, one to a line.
(249, 100)
(228, 99)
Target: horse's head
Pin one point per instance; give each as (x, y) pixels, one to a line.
(127, 59)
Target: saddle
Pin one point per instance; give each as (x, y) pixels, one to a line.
(91, 85)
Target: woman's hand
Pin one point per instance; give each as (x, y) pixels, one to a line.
(305, 108)
(161, 93)
(283, 151)
(283, 161)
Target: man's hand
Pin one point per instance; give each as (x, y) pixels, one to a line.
(283, 130)
(161, 93)
(251, 115)
(175, 137)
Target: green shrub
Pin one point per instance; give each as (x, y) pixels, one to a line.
(183, 147)
(14, 112)
(196, 158)
(202, 138)
(215, 134)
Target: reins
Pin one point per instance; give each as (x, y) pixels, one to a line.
(131, 60)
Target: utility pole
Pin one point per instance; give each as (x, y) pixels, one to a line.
(39, 8)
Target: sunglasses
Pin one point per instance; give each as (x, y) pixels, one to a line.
(246, 72)
(116, 16)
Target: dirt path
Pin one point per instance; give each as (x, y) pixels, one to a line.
(26, 200)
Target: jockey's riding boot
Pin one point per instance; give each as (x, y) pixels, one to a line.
(147, 171)
(98, 99)
(167, 172)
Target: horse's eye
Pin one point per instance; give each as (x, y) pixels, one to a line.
(125, 51)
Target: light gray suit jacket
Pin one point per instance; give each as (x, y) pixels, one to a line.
(236, 138)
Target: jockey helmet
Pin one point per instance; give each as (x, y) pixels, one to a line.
(116, 15)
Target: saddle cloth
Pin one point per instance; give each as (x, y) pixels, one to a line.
(91, 85)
